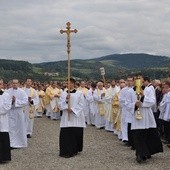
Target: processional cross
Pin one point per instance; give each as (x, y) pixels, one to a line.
(68, 31)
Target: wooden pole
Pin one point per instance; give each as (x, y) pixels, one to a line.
(68, 31)
(104, 80)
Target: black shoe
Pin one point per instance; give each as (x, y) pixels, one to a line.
(4, 162)
(66, 156)
(28, 136)
(12, 148)
(128, 145)
(168, 145)
(165, 142)
(132, 148)
(75, 154)
(148, 157)
(139, 159)
(124, 141)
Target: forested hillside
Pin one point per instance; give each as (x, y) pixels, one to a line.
(10, 69)
(116, 66)
(153, 66)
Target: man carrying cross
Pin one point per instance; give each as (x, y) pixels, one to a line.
(71, 104)
(72, 122)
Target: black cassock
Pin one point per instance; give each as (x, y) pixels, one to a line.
(5, 151)
(147, 142)
(71, 141)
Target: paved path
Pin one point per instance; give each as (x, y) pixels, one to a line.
(102, 151)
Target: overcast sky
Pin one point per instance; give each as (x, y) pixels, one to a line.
(29, 29)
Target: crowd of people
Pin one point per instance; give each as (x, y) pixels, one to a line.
(138, 113)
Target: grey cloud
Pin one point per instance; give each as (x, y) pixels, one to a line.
(30, 29)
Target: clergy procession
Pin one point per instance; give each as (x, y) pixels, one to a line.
(136, 110)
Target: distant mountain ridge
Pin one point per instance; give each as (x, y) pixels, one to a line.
(138, 60)
(131, 60)
(152, 65)
(89, 68)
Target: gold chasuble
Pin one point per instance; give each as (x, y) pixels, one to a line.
(47, 96)
(54, 100)
(31, 106)
(100, 104)
(116, 112)
(40, 107)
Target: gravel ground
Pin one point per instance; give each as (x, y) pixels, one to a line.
(102, 151)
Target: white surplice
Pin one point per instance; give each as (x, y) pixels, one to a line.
(77, 117)
(165, 107)
(130, 100)
(5, 106)
(17, 126)
(148, 120)
(86, 105)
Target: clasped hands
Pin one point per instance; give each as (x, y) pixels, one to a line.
(13, 99)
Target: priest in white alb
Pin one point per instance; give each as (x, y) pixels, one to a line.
(99, 97)
(29, 109)
(54, 97)
(93, 105)
(40, 107)
(84, 90)
(17, 125)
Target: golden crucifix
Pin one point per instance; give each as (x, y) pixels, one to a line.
(68, 31)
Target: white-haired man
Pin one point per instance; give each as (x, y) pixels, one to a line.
(99, 96)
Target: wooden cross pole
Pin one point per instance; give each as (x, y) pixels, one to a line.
(120, 72)
(68, 31)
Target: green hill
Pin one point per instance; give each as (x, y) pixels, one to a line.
(153, 66)
(10, 69)
(150, 65)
